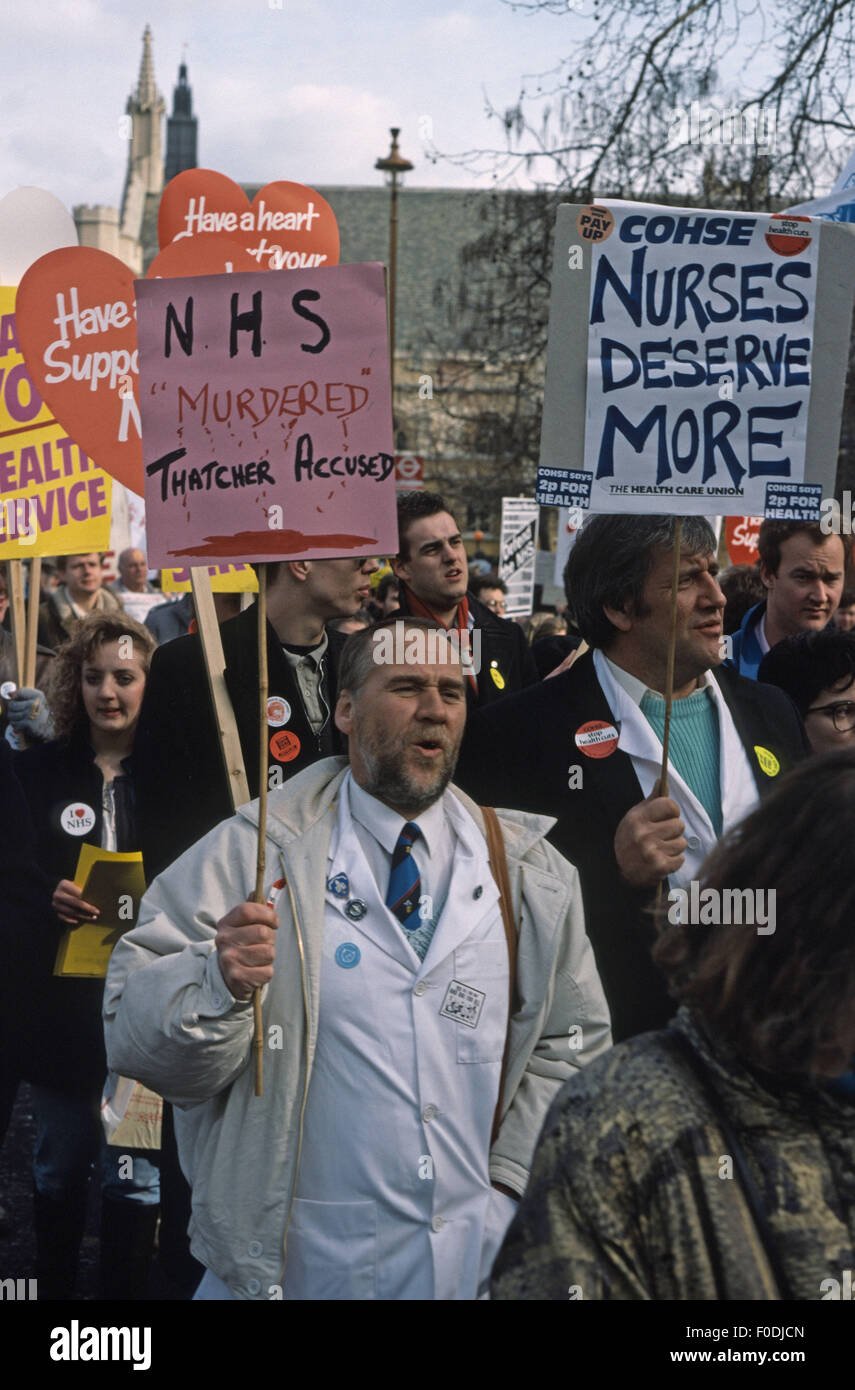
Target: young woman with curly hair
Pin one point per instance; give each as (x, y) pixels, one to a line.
(80, 790)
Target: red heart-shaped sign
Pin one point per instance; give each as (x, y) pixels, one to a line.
(80, 812)
(287, 227)
(77, 329)
(75, 313)
(209, 253)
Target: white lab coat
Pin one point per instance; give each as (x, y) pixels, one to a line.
(394, 1194)
(171, 1022)
(739, 793)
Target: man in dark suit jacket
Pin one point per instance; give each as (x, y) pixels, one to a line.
(433, 575)
(583, 746)
(181, 785)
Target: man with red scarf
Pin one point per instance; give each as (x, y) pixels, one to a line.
(433, 575)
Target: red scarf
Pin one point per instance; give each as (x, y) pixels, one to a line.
(418, 609)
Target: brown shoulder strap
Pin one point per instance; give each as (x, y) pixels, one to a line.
(499, 869)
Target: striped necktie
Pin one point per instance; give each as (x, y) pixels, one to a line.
(402, 895)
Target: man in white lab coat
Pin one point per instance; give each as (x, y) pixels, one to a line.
(373, 1167)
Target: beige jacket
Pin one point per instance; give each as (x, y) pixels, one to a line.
(171, 1022)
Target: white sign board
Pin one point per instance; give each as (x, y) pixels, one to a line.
(517, 548)
(696, 361)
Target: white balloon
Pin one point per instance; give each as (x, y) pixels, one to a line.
(32, 222)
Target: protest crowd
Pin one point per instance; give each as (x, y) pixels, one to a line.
(598, 1039)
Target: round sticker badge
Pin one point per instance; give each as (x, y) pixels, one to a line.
(77, 819)
(7, 689)
(348, 955)
(496, 676)
(595, 223)
(767, 761)
(278, 711)
(788, 235)
(285, 746)
(596, 739)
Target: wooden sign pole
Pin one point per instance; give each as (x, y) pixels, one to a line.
(215, 665)
(668, 692)
(258, 895)
(32, 620)
(229, 741)
(17, 612)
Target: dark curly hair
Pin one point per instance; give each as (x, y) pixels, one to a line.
(785, 1000)
(65, 685)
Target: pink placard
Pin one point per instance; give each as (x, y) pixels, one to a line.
(266, 416)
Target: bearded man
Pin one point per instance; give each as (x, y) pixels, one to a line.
(415, 1033)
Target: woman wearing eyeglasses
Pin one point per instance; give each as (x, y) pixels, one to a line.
(817, 671)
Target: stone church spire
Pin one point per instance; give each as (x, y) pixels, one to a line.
(146, 109)
(146, 91)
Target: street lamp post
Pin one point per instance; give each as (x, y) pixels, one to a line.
(394, 166)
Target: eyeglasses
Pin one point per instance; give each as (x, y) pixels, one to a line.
(842, 712)
(496, 604)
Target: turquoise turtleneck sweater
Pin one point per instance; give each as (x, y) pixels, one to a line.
(694, 745)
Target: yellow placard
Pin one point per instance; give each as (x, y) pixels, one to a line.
(114, 883)
(225, 579)
(53, 500)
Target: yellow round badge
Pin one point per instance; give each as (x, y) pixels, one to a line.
(498, 678)
(767, 761)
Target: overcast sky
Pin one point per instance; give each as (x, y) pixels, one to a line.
(305, 92)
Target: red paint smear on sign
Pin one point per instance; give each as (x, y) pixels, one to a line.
(280, 542)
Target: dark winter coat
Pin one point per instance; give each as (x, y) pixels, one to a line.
(506, 662)
(181, 786)
(25, 894)
(516, 754)
(63, 1043)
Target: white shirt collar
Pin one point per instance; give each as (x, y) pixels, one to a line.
(385, 824)
(760, 630)
(636, 689)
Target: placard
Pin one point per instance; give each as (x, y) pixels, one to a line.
(32, 222)
(225, 579)
(517, 548)
(695, 357)
(77, 332)
(53, 500)
(266, 412)
(286, 227)
(740, 533)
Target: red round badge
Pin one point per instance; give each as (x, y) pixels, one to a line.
(788, 235)
(285, 746)
(596, 739)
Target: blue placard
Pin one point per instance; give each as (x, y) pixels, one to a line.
(562, 487)
(793, 502)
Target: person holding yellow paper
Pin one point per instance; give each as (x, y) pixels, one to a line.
(79, 788)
